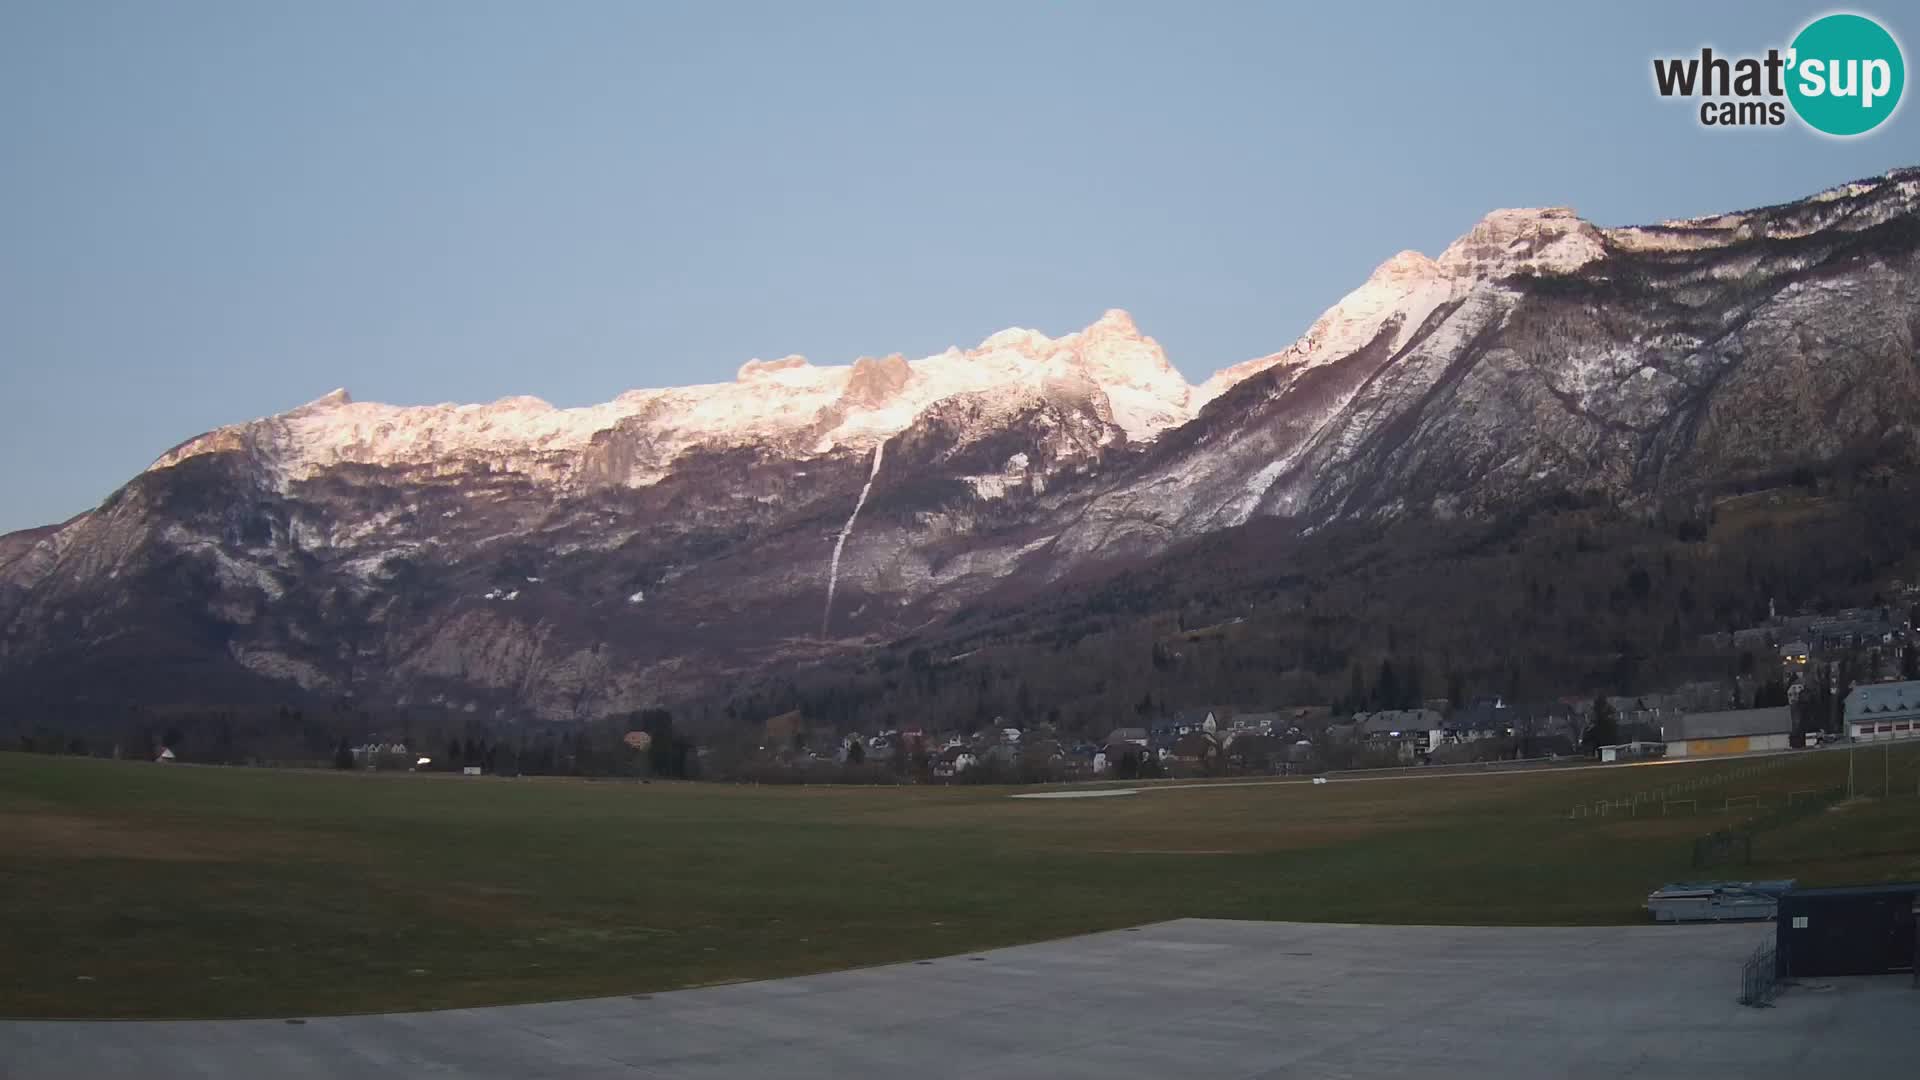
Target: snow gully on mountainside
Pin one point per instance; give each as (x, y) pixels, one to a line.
(833, 567)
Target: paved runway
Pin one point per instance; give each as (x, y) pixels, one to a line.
(1193, 998)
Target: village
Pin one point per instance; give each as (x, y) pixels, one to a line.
(1850, 675)
(1794, 681)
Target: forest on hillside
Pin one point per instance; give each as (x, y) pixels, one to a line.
(1565, 599)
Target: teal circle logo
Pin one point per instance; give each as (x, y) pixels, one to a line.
(1846, 74)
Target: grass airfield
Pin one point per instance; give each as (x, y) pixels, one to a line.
(135, 890)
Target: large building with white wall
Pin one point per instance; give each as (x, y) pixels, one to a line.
(1879, 711)
(1736, 731)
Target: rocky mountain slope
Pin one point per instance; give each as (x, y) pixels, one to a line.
(518, 560)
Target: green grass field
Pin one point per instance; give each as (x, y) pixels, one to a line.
(129, 889)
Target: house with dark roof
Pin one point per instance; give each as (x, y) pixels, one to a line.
(1539, 729)
(1195, 748)
(1254, 749)
(1185, 722)
(1263, 722)
(1486, 719)
(953, 761)
(1345, 731)
(1397, 725)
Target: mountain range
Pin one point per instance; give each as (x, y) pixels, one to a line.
(517, 560)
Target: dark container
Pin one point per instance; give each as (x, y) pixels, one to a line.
(1860, 930)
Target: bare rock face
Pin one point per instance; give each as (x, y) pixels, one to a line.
(875, 382)
(519, 560)
(1510, 242)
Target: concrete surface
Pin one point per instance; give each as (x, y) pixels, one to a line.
(1193, 998)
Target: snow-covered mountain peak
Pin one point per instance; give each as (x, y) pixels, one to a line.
(769, 369)
(855, 406)
(768, 401)
(1406, 264)
(1013, 337)
(1113, 326)
(1144, 391)
(332, 399)
(1402, 291)
(1114, 347)
(1114, 322)
(1552, 240)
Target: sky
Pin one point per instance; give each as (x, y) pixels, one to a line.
(212, 210)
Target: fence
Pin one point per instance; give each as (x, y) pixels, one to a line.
(1670, 796)
(1759, 978)
(1735, 843)
(1723, 846)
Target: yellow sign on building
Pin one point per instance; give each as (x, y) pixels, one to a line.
(1738, 744)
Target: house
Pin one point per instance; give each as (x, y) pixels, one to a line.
(1880, 711)
(1633, 751)
(1733, 731)
(1043, 752)
(1488, 718)
(1638, 719)
(1702, 696)
(1851, 627)
(165, 754)
(1552, 727)
(1263, 722)
(1195, 748)
(1423, 726)
(1794, 655)
(1255, 750)
(1409, 732)
(1187, 721)
(382, 754)
(1127, 735)
(953, 761)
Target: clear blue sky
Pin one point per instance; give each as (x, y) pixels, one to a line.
(211, 211)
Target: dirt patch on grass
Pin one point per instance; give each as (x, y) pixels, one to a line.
(1233, 839)
(46, 834)
(1167, 851)
(462, 904)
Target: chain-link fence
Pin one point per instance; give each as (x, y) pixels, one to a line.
(1759, 978)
